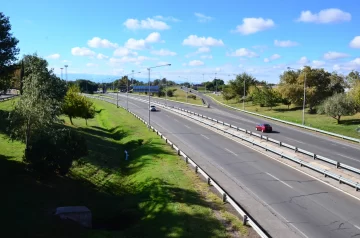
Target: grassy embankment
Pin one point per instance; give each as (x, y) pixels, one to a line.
(347, 127)
(153, 194)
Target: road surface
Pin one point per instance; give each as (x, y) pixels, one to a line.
(305, 206)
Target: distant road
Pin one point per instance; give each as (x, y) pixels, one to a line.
(285, 202)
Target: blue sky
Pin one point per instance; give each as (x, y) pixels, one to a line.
(107, 39)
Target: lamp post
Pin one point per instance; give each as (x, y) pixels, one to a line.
(61, 73)
(187, 89)
(304, 101)
(149, 69)
(66, 66)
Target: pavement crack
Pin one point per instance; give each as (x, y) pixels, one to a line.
(306, 195)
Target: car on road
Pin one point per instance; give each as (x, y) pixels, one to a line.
(153, 108)
(263, 127)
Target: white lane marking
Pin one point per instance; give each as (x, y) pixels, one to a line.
(278, 180)
(295, 140)
(347, 157)
(176, 120)
(230, 151)
(167, 115)
(205, 136)
(187, 126)
(357, 227)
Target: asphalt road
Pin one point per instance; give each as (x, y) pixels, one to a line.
(336, 149)
(308, 206)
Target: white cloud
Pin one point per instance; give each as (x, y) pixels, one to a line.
(202, 18)
(53, 56)
(355, 43)
(101, 56)
(285, 43)
(122, 51)
(184, 64)
(127, 59)
(142, 44)
(303, 60)
(253, 25)
(332, 55)
(206, 56)
(273, 57)
(163, 62)
(318, 63)
(336, 67)
(149, 23)
(91, 65)
(330, 15)
(66, 61)
(196, 63)
(163, 52)
(97, 42)
(83, 51)
(348, 66)
(153, 37)
(194, 40)
(203, 50)
(170, 18)
(243, 52)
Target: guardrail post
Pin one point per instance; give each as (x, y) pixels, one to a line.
(178, 152)
(209, 181)
(314, 156)
(172, 145)
(187, 160)
(267, 138)
(337, 165)
(196, 169)
(224, 197)
(357, 187)
(280, 143)
(245, 218)
(296, 149)
(166, 141)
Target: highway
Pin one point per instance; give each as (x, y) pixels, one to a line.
(305, 206)
(333, 148)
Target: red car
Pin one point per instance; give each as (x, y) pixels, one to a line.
(263, 127)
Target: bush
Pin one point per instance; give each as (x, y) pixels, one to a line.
(55, 152)
(192, 96)
(170, 93)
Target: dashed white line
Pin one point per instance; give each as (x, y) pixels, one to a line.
(230, 151)
(347, 157)
(279, 180)
(205, 137)
(357, 227)
(187, 126)
(176, 120)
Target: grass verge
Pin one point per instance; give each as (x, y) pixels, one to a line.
(153, 194)
(347, 127)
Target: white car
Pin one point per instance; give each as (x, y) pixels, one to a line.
(153, 108)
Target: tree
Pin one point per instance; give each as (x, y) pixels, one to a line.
(170, 93)
(355, 93)
(286, 102)
(237, 85)
(337, 106)
(353, 77)
(88, 109)
(39, 106)
(8, 51)
(265, 96)
(228, 94)
(73, 103)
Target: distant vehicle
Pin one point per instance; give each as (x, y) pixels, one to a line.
(153, 108)
(263, 127)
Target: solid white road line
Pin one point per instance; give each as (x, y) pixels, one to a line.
(279, 180)
(357, 227)
(230, 152)
(205, 137)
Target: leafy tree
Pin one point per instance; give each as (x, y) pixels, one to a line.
(355, 93)
(338, 83)
(8, 52)
(353, 77)
(318, 86)
(237, 85)
(228, 94)
(286, 102)
(88, 109)
(337, 106)
(86, 86)
(39, 106)
(55, 152)
(73, 103)
(265, 96)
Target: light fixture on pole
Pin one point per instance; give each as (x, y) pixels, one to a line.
(149, 69)
(66, 66)
(127, 87)
(304, 99)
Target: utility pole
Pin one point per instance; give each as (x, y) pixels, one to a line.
(66, 66)
(61, 73)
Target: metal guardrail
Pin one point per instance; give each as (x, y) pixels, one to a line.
(7, 98)
(293, 124)
(247, 219)
(302, 163)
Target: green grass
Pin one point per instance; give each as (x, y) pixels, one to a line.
(347, 127)
(180, 96)
(154, 194)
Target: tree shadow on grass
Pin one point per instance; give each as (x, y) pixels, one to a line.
(114, 133)
(291, 109)
(150, 209)
(350, 122)
(4, 121)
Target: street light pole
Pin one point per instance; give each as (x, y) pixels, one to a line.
(187, 89)
(149, 87)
